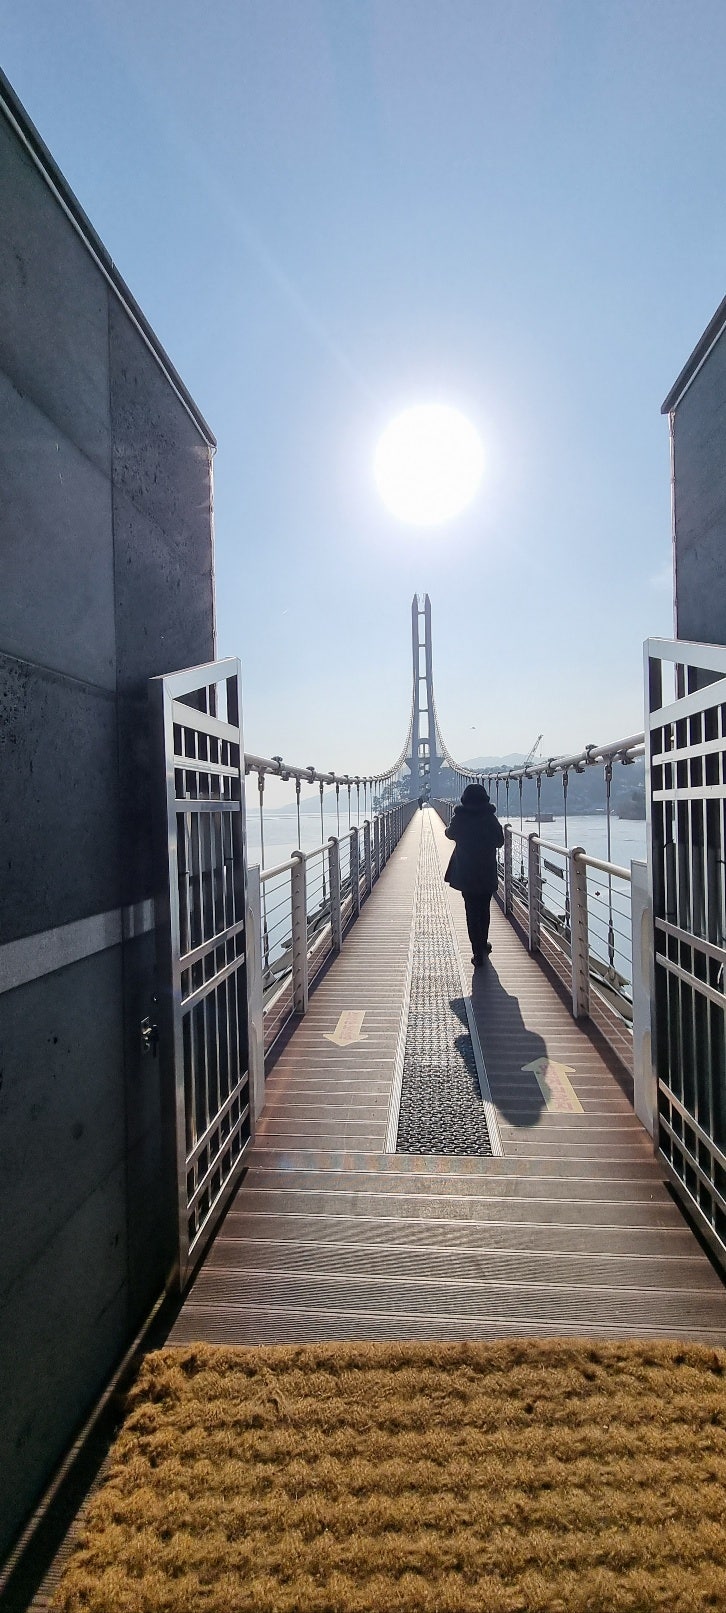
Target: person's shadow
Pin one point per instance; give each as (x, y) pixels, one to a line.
(508, 1048)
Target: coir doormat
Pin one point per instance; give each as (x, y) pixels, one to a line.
(556, 1477)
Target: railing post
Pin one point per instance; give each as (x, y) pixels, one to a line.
(299, 933)
(534, 892)
(508, 870)
(377, 846)
(645, 1091)
(579, 938)
(355, 870)
(336, 918)
(255, 1007)
(367, 856)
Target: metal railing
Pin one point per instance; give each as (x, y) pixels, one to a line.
(307, 904)
(576, 911)
(581, 905)
(686, 694)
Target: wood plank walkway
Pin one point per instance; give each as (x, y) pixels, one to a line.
(572, 1231)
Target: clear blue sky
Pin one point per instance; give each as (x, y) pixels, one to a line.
(329, 209)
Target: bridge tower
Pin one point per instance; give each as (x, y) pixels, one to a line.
(426, 759)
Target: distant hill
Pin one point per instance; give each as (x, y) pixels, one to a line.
(479, 763)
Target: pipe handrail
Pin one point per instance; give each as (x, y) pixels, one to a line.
(276, 767)
(305, 856)
(612, 869)
(582, 856)
(625, 750)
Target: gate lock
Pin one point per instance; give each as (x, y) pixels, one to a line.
(150, 1036)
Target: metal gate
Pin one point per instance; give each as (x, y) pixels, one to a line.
(686, 739)
(201, 925)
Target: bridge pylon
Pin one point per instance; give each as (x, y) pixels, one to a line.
(426, 758)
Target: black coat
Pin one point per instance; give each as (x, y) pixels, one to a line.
(473, 866)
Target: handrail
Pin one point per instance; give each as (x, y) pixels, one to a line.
(278, 768)
(304, 856)
(613, 869)
(623, 750)
(279, 868)
(300, 922)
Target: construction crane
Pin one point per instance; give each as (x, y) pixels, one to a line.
(532, 753)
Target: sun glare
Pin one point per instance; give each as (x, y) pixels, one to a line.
(428, 464)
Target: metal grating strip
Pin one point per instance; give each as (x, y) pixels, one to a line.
(441, 1109)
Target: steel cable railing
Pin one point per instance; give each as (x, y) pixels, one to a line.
(307, 901)
(575, 908)
(577, 912)
(310, 899)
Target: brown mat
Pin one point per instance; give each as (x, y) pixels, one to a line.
(396, 1478)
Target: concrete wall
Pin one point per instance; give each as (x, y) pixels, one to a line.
(107, 578)
(698, 424)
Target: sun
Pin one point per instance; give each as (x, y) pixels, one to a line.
(428, 464)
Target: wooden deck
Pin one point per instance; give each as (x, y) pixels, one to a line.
(572, 1231)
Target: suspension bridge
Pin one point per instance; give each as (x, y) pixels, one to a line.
(367, 1139)
(259, 1102)
(403, 1148)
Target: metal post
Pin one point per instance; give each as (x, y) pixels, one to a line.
(355, 870)
(579, 938)
(299, 933)
(508, 869)
(377, 845)
(255, 1009)
(336, 919)
(322, 839)
(645, 1091)
(265, 936)
(367, 856)
(534, 892)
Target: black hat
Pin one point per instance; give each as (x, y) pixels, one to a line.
(475, 795)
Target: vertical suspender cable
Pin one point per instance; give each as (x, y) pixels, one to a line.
(521, 831)
(565, 783)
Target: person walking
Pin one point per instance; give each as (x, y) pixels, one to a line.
(476, 832)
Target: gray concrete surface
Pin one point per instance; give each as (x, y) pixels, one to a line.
(107, 578)
(699, 502)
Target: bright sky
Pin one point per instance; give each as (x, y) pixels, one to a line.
(331, 210)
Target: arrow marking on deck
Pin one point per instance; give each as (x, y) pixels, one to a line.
(558, 1093)
(348, 1028)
